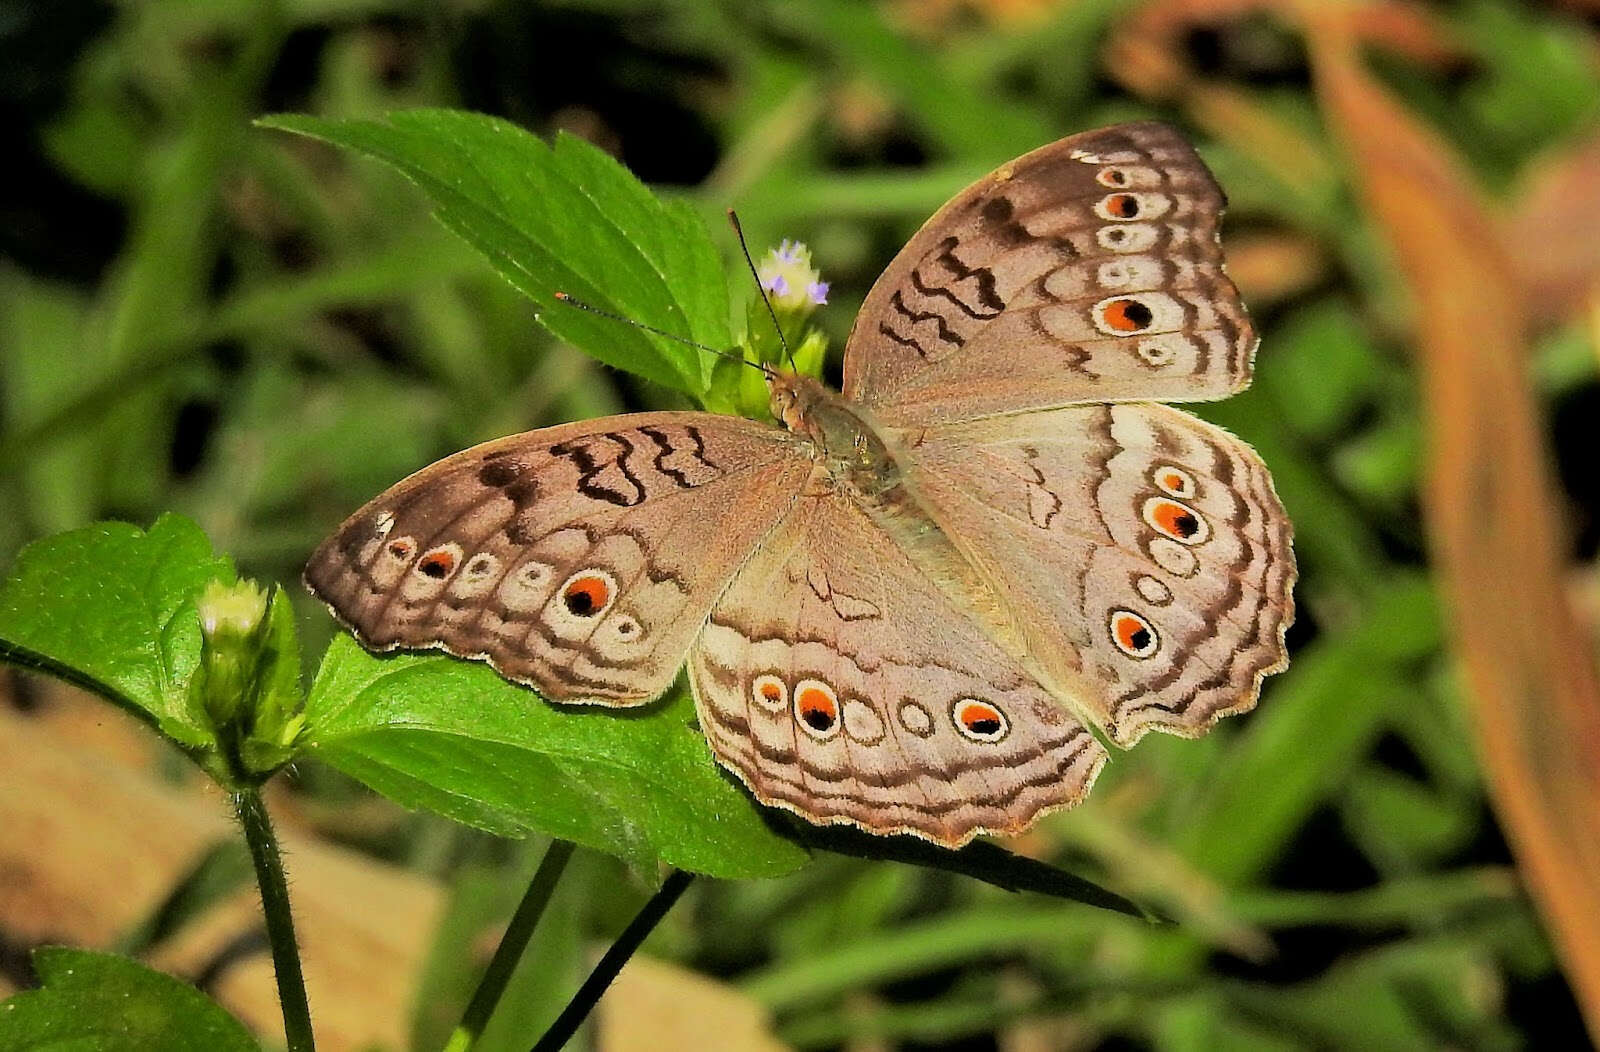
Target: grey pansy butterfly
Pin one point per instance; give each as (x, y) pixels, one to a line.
(904, 608)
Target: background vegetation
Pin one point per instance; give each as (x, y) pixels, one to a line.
(261, 332)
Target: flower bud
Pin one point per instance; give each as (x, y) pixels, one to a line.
(233, 620)
(247, 686)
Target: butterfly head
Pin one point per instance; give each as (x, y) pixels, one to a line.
(849, 444)
(794, 401)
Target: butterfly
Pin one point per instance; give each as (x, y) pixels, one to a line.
(912, 606)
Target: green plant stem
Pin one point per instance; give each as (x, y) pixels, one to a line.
(588, 995)
(512, 944)
(268, 861)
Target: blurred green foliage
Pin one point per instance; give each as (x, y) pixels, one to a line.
(82, 993)
(261, 333)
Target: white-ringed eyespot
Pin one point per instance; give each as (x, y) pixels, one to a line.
(979, 720)
(1132, 634)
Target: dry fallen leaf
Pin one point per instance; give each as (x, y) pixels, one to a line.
(1269, 267)
(92, 839)
(655, 1004)
(1490, 501)
(1557, 259)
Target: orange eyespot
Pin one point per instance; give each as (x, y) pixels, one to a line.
(1133, 635)
(769, 691)
(979, 720)
(1112, 177)
(817, 708)
(1123, 206)
(437, 563)
(402, 548)
(587, 595)
(1178, 521)
(1126, 315)
(1175, 481)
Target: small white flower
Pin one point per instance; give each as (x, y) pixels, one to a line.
(793, 283)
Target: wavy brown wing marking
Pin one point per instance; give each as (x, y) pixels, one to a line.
(579, 559)
(1086, 271)
(1143, 552)
(839, 683)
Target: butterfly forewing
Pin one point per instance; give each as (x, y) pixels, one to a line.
(578, 559)
(1086, 271)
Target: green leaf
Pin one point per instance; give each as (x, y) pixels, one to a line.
(1314, 727)
(1322, 349)
(111, 607)
(1424, 993)
(567, 218)
(862, 959)
(99, 1002)
(454, 737)
(980, 860)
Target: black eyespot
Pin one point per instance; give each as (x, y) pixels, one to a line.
(998, 209)
(978, 720)
(498, 473)
(1123, 206)
(587, 594)
(1138, 313)
(1133, 635)
(817, 719)
(1177, 521)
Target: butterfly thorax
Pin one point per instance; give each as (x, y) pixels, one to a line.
(849, 446)
(857, 456)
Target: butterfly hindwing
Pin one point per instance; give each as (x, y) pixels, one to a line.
(1143, 553)
(838, 681)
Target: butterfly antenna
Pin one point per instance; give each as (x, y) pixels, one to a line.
(733, 217)
(573, 301)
